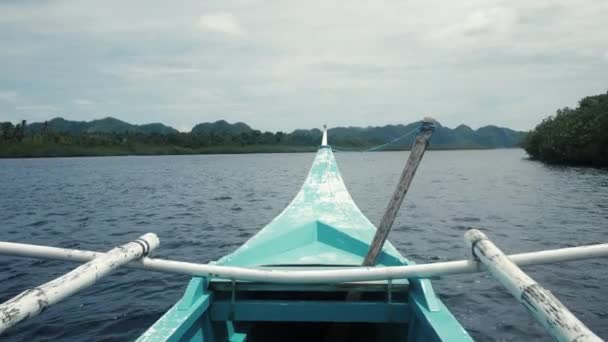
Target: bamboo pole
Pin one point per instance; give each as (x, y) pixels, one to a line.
(543, 306)
(339, 332)
(416, 154)
(31, 302)
(327, 276)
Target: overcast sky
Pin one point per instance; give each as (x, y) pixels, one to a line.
(281, 65)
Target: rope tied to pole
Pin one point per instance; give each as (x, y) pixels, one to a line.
(425, 125)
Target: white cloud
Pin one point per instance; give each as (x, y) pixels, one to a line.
(150, 71)
(479, 22)
(37, 108)
(83, 102)
(220, 22)
(366, 63)
(9, 96)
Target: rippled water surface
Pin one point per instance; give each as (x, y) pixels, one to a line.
(203, 207)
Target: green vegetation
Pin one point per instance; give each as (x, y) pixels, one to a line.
(109, 136)
(49, 143)
(573, 136)
(106, 125)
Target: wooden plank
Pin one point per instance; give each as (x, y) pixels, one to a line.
(340, 332)
(309, 311)
(403, 186)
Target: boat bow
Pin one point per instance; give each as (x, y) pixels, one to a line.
(321, 226)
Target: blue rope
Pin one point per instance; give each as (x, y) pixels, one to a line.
(424, 126)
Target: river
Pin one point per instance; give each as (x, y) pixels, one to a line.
(203, 207)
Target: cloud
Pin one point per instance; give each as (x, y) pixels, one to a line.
(83, 102)
(37, 108)
(280, 65)
(480, 22)
(9, 96)
(220, 22)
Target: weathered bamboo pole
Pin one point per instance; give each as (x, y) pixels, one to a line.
(31, 302)
(339, 275)
(339, 332)
(543, 306)
(416, 154)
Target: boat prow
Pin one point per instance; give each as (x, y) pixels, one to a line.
(321, 226)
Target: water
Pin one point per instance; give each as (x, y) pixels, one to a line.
(203, 207)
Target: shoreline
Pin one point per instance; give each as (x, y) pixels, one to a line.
(220, 151)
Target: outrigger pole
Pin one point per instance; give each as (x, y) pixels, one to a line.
(31, 302)
(324, 276)
(561, 325)
(543, 306)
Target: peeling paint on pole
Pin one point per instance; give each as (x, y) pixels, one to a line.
(543, 306)
(33, 301)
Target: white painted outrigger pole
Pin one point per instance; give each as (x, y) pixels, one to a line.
(339, 275)
(324, 140)
(31, 302)
(545, 308)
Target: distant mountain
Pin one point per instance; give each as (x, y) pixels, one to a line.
(484, 137)
(460, 137)
(221, 127)
(105, 125)
(498, 136)
(157, 128)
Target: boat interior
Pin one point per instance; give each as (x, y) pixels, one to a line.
(380, 311)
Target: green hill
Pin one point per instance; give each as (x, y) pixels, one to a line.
(110, 136)
(461, 137)
(221, 127)
(444, 137)
(105, 125)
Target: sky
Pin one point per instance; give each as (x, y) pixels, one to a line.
(282, 65)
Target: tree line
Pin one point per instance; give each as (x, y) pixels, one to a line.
(10, 132)
(19, 141)
(576, 136)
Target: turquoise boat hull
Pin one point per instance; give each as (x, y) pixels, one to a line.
(322, 228)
